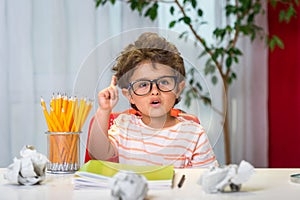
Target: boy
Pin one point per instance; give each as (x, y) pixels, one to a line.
(151, 74)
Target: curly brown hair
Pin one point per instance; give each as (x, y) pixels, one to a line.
(148, 47)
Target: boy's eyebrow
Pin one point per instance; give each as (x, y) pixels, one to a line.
(142, 79)
(147, 79)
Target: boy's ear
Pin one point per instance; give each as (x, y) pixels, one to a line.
(180, 88)
(126, 93)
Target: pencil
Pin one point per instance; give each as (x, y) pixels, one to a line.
(75, 114)
(79, 115)
(49, 121)
(70, 113)
(87, 110)
(181, 181)
(58, 105)
(56, 121)
(63, 116)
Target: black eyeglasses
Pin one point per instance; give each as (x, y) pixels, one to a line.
(143, 87)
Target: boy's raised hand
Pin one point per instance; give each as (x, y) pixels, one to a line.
(108, 97)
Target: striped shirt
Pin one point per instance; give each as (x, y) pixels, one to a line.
(182, 145)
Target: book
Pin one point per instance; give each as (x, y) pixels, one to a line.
(98, 174)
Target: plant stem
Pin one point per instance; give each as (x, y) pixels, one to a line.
(226, 126)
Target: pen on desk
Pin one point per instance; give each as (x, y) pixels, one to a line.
(181, 181)
(173, 181)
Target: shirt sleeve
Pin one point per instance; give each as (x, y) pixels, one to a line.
(113, 135)
(203, 155)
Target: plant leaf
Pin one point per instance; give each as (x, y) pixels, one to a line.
(214, 80)
(172, 9)
(172, 24)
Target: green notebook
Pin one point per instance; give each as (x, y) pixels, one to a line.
(97, 173)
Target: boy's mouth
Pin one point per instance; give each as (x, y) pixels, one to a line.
(155, 102)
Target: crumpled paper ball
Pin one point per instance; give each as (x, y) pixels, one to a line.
(29, 169)
(127, 185)
(216, 179)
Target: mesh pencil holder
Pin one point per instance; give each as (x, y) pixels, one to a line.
(63, 152)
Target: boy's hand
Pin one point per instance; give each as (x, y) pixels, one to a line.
(108, 97)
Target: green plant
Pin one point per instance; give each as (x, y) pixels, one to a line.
(224, 53)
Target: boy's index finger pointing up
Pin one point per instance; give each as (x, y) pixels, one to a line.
(113, 81)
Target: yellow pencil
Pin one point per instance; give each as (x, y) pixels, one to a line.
(53, 102)
(80, 113)
(88, 108)
(58, 105)
(49, 121)
(70, 113)
(84, 110)
(63, 117)
(75, 113)
(56, 121)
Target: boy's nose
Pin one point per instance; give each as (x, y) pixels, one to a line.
(154, 90)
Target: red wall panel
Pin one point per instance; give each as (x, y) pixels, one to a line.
(284, 93)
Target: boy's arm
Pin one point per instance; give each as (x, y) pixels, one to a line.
(99, 146)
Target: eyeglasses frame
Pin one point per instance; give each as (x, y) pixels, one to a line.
(130, 86)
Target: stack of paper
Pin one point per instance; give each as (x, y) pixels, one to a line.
(97, 174)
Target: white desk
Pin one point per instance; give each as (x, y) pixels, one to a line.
(264, 184)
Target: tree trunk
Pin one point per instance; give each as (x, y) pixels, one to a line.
(226, 125)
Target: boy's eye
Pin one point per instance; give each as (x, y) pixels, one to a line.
(164, 82)
(143, 84)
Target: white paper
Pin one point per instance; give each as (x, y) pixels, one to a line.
(126, 185)
(216, 179)
(29, 169)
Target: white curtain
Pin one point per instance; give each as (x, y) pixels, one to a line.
(50, 46)
(249, 102)
(43, 46)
